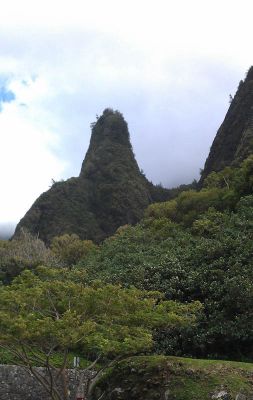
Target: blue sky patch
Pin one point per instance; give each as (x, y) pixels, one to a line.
(6, 96)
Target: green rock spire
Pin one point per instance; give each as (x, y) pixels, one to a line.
(109, 192)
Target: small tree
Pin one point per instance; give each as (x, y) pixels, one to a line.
(70, 249)
(55, 311)
(26, 251)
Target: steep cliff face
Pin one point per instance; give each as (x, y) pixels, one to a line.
(234, 139)
(109, 192)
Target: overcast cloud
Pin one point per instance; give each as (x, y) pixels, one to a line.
(168, 66)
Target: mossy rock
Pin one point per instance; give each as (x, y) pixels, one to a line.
(173, 378)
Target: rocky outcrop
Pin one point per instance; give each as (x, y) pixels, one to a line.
(109, 192)
(172, 378)
(234, 139)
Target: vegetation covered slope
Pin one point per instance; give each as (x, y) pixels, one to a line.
(110, 191)
(234, 139)
(197, 246)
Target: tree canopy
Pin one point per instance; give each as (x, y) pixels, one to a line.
(56, 311)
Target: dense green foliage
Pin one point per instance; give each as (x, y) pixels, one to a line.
(53, 310)
(24, 252)
(110, 191)
(195, 247)
(234, 139)
(56, 309)
(70, 249)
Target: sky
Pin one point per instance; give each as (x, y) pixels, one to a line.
(168, 65)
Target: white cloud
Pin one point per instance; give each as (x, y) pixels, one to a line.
(27, 160)
(210, 27)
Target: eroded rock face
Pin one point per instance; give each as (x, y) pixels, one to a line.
(234, 139)
(109, 192)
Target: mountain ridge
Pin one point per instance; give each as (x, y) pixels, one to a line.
(234, 139)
